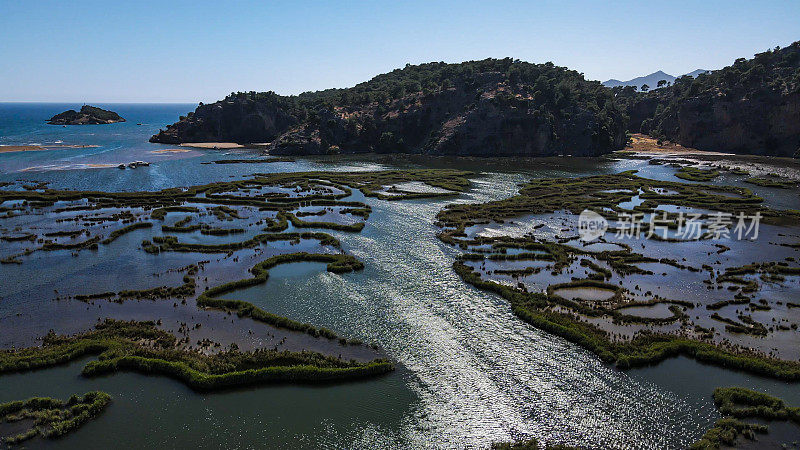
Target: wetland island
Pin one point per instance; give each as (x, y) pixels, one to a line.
(491, 254)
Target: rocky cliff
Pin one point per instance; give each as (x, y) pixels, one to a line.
(478, 108)
(88, 115)
(752, 106)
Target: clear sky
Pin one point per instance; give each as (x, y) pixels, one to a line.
(190, 51)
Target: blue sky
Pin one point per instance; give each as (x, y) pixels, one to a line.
(189, 51)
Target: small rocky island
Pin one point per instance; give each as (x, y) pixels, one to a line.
(88, 115)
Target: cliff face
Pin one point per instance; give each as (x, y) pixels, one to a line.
(88, 115)
(752, 106)
(768, 125)
(234, 120)
(485, 108)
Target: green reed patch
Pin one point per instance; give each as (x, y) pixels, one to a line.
(90, 243)
(337, 263)
(771, 182)
(144, 348)
(52, 418)
(23, 237)
(300, 223)
(737, 403)
(187, 289)
(124, 230)
(695, 174)
(171, 243)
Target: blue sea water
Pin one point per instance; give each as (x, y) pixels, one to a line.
(95, 167)
(26, 124)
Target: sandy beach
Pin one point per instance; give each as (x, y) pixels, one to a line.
(212, 145)
(641, 143)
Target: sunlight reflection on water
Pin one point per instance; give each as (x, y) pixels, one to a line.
(483, 375)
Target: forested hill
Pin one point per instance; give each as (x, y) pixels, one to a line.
(493, 107)
(752, 106)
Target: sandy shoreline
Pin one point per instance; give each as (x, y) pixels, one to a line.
(212, 145)
(77, 166)
(39, 148)
(757, 165)
(171, 150)
(641, 143)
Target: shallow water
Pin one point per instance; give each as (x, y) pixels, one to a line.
(587, 294)
(469, 372)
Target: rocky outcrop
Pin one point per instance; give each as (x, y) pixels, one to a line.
(229, 120)
(88, 115)
(484, 108)
(767, 125)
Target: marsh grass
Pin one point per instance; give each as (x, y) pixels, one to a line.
(695, 174)
(52, 418)
(171, 243)
(124, 230)
(143, 348)
(771, 182)
(575, 195)
(564, 317)
(337, 263)
(737, 403)
(300, 223)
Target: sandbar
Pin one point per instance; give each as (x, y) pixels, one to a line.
(212, 145)
(39, 148)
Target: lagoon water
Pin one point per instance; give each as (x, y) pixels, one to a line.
(469, 373)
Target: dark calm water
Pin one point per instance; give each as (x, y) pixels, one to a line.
(469, 372)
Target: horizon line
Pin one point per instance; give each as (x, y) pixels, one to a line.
(5, 102)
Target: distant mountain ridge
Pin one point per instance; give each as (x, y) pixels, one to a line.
(650, 80)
